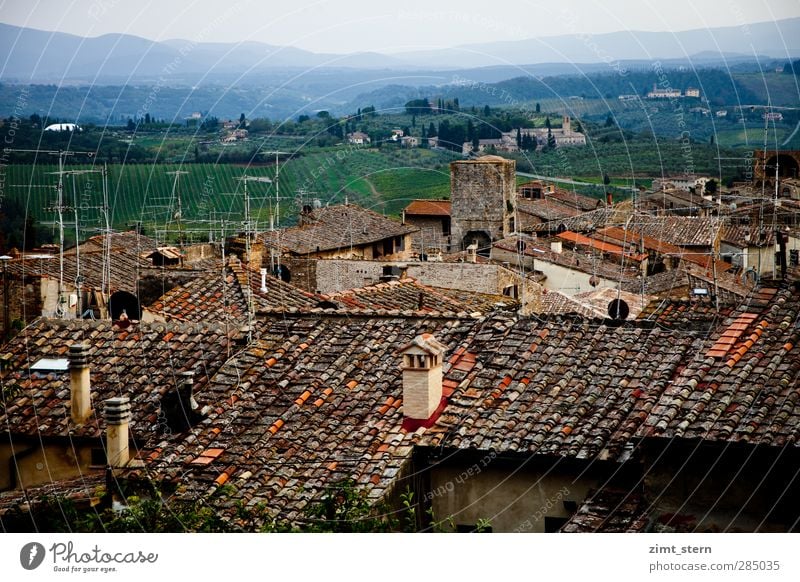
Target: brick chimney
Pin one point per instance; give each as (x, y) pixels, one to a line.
(79, 383)
(118, 417)
(422, 379)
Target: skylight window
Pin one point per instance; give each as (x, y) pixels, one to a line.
(51, 365)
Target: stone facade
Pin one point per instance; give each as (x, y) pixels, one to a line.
(483, 195)
(330, 276)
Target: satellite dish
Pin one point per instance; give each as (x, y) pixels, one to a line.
(618, 310)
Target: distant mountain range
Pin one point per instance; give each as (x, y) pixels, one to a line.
(35, 56)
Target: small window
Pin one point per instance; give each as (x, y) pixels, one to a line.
(98, 458)
(51, 365)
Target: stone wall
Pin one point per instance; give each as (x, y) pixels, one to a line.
(330, 276)
(430, 236)
(24, 302)
(483, 195)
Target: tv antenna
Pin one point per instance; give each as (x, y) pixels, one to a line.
(277, 183)
(247, 234)
(176, 195)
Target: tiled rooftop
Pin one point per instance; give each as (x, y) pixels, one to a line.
(539, 249)
(625, 237)
(141, 362)
(335, 227)
(85, 489)
(219, 295)
(313, 401)
(588, 221)
(556, 303)
(683, 231)
(694, 315)
(544, 210)
(664, 284)
(741, 385)
(575, 200)
(556, 387)
(429, 208)
(316, 399)
(410, 295)
(609, 510)
(126, 262)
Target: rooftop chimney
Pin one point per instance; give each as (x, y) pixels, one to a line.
(79, 383)
(263, 280)
(472, 253)
(422, 379)
(178, 405)
(118, 416)
(555, 246)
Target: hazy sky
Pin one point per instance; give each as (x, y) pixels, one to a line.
(358, 25)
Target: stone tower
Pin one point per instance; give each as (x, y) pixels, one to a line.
(484, 197)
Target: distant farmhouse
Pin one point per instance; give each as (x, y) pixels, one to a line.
(670, 93)
(358, 138)
(507, 142)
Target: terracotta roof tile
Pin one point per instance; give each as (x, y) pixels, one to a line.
(429, 208)
(335, 227)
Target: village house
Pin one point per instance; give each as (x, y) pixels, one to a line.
(345, 231)
(358, 138)
(670, 200)
(433, 219)
(565, 269)
(59, 377)
(685, 182)
(661, 93)
(409, 141)
(470, 273)
(563, 136)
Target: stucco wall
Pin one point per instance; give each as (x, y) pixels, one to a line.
(44, 465)
(509, 500)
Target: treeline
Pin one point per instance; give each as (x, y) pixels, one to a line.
(717, 85)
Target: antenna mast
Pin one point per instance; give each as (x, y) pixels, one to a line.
(247, 234)
(176, 195)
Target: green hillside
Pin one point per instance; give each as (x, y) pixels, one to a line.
(380, 179)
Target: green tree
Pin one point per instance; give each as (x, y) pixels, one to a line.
(538, 108)
(610, 121)
(486, 111)
(606, 179)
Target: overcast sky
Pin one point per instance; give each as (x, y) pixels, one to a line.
(358, 25)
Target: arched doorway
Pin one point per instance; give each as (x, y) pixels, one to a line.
(479, 238)
(124, 301)
(787, 167)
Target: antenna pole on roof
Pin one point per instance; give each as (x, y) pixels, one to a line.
(247, 234)
(176, 195)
